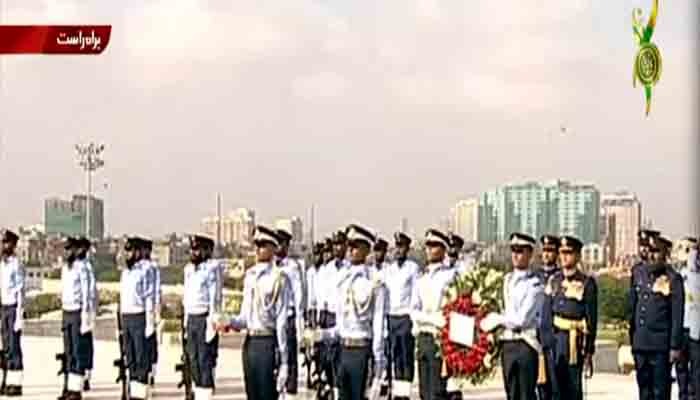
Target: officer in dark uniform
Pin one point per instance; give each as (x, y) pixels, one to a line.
(686, 390)
(12, 312)
(311, 343)
(571, 310)
(643, 237)
(548, 389)
(656, 323)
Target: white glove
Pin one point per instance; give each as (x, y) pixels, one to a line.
(491, 322)
(85, 323)
(282, 376)
(19, 321)
(210, 331)
(438, 320)
(150, 325)
(375, 390)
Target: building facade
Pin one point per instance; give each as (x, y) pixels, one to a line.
(68, 217)
(236, 227)
(535, 208)
(627, 211)
(465, 219)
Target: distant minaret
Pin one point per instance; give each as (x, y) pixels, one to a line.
(218, 223)
(312, 228)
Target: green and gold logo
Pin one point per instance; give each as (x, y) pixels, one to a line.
(647, 63)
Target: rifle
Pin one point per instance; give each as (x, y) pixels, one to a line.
(3, 365)
(386, 392)
(184, 367)
(121, 362)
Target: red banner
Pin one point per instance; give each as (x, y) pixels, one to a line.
(54, 39)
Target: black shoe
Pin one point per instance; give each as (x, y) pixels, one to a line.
(152, 381)
(13, 391)
(86, 386)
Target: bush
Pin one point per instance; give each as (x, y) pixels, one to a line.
(106, 296)
(172, 276)
(108, 275)
(42, 304)
(612, 299)
(232, 303)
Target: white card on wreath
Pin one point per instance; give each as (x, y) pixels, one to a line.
(462, 328)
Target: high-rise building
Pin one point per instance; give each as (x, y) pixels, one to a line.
(465, 219)
(68, 217)
(628, 220)
(557, 207)
(236, 227)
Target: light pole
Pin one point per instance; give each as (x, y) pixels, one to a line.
(89, 159)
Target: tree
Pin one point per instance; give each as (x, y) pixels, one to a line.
(612, 299)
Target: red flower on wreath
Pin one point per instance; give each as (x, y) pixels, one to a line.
(462, 360)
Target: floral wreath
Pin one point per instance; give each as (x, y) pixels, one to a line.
(475, 294)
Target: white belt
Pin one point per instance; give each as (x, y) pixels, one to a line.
(133, 310)
(529, 336)
(70, 309)
(325, 334)
(197, 310)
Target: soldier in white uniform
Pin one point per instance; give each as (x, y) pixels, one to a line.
(202, 303)
(78, 320)
(426, 315)
(295, 325)
(327, 302)
(401, 278)
(264, 315)
(524, 298)
(83, 248)
(379, 264)
(12, 313)
(360, 320)
(692, 317)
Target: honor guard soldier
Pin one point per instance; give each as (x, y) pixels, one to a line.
(644, 236)
(327, 301)
(524, 298)
(453, 258)
(361, 317)
(379, 263)
(267, 297)
(311, 342)
(312, 305)
(571, 310)
(136, 308)
(83, 249)
(548, 390)
(401, 279)
(656, 326)
(202, 304)
(684, 366)
(78, 319)
(12, 313)
(295, 325)
(692, 317)
(153, 272)
(426, 315)
(328, 251)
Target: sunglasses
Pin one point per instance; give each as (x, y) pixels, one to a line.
(566, 252)
(654, 250)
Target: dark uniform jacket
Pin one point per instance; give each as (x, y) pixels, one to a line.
(657, 304)
(573, 298)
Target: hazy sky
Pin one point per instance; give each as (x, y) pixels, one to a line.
(373, 110)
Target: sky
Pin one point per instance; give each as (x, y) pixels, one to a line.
(372, 110)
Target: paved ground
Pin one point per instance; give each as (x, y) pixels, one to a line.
(41, 382)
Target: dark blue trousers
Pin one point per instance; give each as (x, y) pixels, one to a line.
(259, 367)
(202, 354)
(686, 391)
(136, 355)
(694, 350)
(352, 372)
(653, 375)
(75, 346)
(152, 345)
(292, 356)
(90, 358)
(403, 348)
(11, 340)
